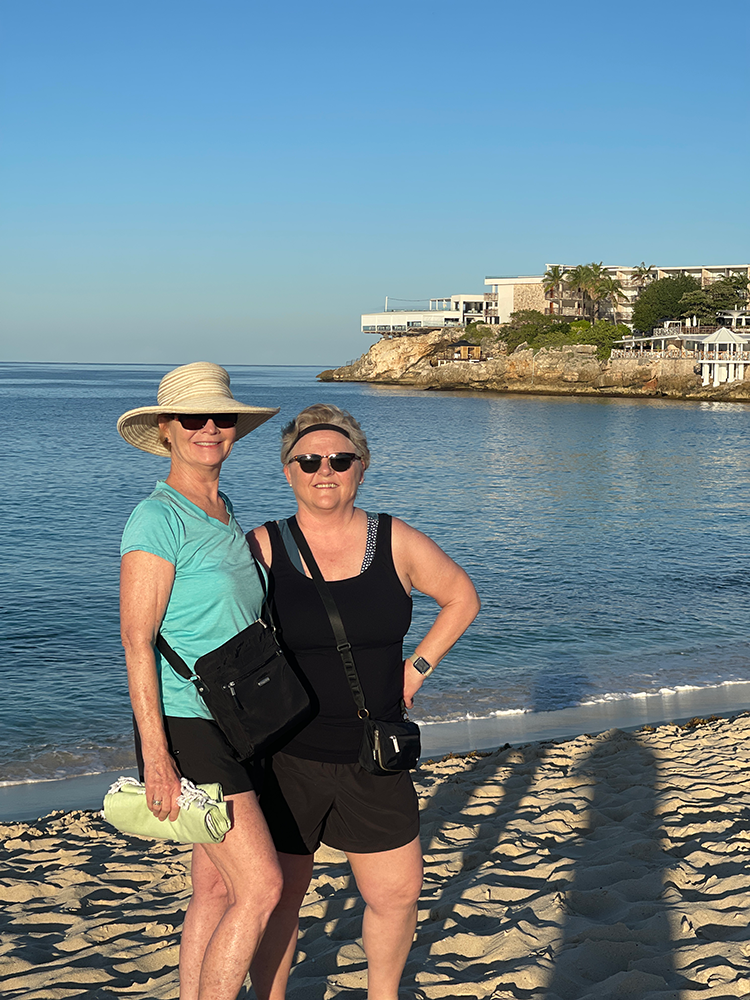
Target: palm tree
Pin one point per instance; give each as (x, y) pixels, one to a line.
(585, 279)
(553, 282)
(596, 286)
(611, 288)
(643, 273)
(577, 280)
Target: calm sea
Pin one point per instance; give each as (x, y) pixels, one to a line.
(608, 540)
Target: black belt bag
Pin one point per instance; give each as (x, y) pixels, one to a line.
(387, 747)
(249, 687)
(390, 746)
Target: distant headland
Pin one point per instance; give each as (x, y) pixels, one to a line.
(435, 361)
(573, 330)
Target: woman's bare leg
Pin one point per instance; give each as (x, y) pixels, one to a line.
(207, 906)
(247, 865)
(390, 883)
(273, 961)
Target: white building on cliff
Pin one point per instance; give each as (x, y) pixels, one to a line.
(509, 294)
(454, 310)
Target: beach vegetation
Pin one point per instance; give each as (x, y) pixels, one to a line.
(643, 274)
(538, 330)
(705, 303)
(660, 300)
(601, 333)
(611, 289)
(554, 283)
(591, 285)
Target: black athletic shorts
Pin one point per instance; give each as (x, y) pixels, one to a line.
(203, 755)
(307, 802)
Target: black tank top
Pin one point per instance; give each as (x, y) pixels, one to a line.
(376, 611)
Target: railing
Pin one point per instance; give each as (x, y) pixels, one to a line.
(676, 354)
(723, 355)
(680, 332)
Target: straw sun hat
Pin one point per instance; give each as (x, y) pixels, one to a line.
(198, 388)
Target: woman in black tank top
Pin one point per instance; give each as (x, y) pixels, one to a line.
(316, 791)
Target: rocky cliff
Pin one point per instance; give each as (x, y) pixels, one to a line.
(569, 370)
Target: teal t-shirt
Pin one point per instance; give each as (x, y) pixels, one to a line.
(216, 591)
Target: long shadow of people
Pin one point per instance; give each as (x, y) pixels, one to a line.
(465, 824)
(462, 819)
(615, 937)
(542, 880)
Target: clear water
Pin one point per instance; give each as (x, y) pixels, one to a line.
(608, 540)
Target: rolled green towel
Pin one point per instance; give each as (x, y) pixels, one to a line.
(203, 817)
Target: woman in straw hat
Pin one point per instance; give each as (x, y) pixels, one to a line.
(187, 572)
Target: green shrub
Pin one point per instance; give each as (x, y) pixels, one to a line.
(540, 330)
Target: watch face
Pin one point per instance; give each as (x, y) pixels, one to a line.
(422, 665)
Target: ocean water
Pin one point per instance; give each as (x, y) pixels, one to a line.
(608, 539)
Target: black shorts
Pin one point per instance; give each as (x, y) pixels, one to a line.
(307, 802)
(203, 755)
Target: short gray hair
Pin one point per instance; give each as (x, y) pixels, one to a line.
(324, 413)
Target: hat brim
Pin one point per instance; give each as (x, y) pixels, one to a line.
(140, 427)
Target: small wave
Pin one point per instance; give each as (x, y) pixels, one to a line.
(663, 692)
(13, 783)
(470, 716)
(604, 699)
(48, 763)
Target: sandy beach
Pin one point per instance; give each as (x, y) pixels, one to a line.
(609, 866)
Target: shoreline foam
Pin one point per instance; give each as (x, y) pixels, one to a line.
(27, 800)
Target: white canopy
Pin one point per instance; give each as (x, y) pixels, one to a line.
(724, 335)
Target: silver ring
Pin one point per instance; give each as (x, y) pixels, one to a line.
(156, 802)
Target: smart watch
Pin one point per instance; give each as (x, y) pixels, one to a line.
(422, 666)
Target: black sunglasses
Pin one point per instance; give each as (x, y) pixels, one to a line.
(340, 461)
(194, 421)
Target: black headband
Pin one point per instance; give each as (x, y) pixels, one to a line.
(321, 427)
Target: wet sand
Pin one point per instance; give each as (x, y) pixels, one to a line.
(29, 800)
(609, 866)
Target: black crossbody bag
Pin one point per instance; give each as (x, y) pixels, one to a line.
(387, 747)
(254, 695)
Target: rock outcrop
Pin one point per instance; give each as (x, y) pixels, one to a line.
(565, 370)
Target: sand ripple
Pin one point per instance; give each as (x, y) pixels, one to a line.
(603, 867)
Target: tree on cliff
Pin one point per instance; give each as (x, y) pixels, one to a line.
(596, 286)
(661, 300)
(727, 293)
(611, 288)
(578, 280)
(554, 282)
(601, 333)
(643, 274)
(529, 326)
(593, 284)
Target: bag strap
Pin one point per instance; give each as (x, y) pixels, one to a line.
(265, 610)
(174, 659)
(343, 645)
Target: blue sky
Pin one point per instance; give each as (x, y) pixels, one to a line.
(238, 181)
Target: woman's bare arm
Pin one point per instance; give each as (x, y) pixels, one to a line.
(260, 545)
(145, 585)
(422, 564)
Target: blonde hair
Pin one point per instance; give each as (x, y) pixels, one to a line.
(324, 413)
